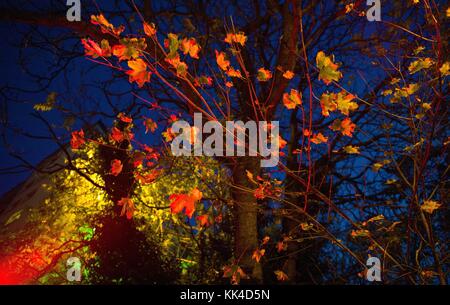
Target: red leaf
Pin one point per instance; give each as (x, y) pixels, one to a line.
(127, 207)
(116, 167)
(185, 201)
(77, 139)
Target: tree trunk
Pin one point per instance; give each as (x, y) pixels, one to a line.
(246, 215)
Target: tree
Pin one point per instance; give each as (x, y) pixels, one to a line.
(360, 107)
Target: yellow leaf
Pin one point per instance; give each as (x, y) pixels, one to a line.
(429, 206)
(293, 99)
(327, 68)
(349, 149)
(288, 74)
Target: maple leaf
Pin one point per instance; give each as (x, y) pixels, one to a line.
(345, 102)
(150, 125)
(259, 192)
(149, 177)
(258, 254)
(168, 135)
(360, 233)
(77, 140)
(203, 80)
(105, 25)
(328, 103)
(235, 273)
(421, 63)
(190, 46)
(263, 75)
(94, 50)
(429, 206)
(138, 72)
(116, 167)
(124, 118)
(203, 220)
(129, 48)
(349, 149)
(281, 276)
(149, 29)
(138, 158)
(117, 135)
(127, 207)
(281, 246)
(186, 202)
(234, 73)
(172, 43)
(319, 138)
(292, 100)
(445, 68)
(306, 226)
(221, 60)
(327, 68)
(239, 38)
(346, 126)
(288, 74)
(265, 240)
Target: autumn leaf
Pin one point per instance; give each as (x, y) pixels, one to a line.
(319, 138)
(234, 73)
(149, 177)
(127, 207)
(105, 25)
(345, 102)
(349, 149)
(117, 135)
(263, 75)
(445, 68)
(138, 72)
(235, 273)
(150, 125)
(94, 50)
(306, 226)
(327, 68)
(288, 74)
(168, 135)
(292, 100)
(421, 63)
(258, 254)
(172, 43)
(239, 38)
(203, 220)
(265, 240)
(429, 206)
(203, 81)
(77, 139)
(221, 60)
(116, 167)
(281, 246)
(186, 202)
(346, 126)
(124, 118)
(378, 165)
(328, 103)
(149, 29)
(360, 233)
(281, 276)
(190, 46)
(129, 48)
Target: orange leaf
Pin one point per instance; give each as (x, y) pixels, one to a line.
(288, 74)
(189, 45)
(203, 220)
(221, 60)
(150, 125)
(138, 72)
(293, 99)
(185, 201)
(236, 38)
(263, 75)
(346, 127)
(319, 138)
(281, 276)
(149, 29)
(257, 254)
